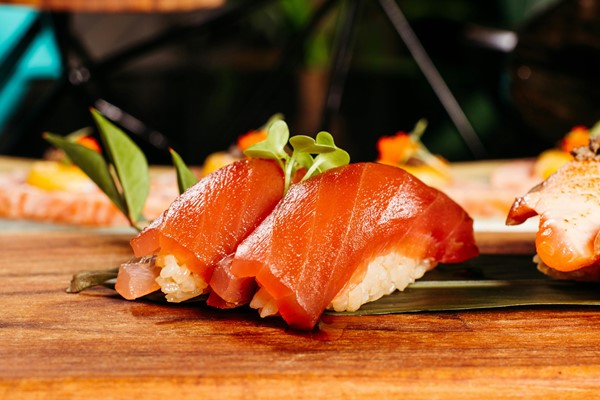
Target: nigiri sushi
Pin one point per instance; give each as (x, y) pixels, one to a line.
(568, 203)
(200, 228)
(346, 237)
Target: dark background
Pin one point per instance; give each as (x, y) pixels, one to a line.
(202, 91)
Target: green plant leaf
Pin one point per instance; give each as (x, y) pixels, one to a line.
(273, 118)
(273, 147)
(185, 177)
(87, 279)
(306, 144)
(304, 160)
(130, 165)
(485, 282)
(335, 157)
(92, 164)
(78, 134)
(595, 129)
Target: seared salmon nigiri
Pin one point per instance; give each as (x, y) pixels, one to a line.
(568, 203)
(346, 237)
(199, 229)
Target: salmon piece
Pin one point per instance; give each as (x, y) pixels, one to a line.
(206, 223)
(568, 204)
(324, 236)
(48, 192)
(137, 278)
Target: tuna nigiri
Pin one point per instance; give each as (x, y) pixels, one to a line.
(347, 237)
(568, 203)
(201, 227)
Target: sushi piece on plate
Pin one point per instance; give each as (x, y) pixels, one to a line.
(568, 203)
(347, 237)
(203, 226)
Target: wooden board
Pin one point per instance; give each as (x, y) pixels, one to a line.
(96, 345)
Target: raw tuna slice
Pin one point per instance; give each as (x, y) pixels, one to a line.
(345, 237)
(206, 223)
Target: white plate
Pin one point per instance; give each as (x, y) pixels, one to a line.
(499, 225)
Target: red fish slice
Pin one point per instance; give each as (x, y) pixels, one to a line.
(327, 229)
(206, 223)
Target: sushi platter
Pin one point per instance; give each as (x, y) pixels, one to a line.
(96, 344)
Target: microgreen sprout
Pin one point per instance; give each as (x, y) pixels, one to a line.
(275, 147)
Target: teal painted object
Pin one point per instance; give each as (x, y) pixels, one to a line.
(40, 61)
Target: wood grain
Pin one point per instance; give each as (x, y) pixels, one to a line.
(96, 345)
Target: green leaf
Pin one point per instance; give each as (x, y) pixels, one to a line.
(92, 164)
(336, 157)
(273, 147)
(324, 162)
(107, 278)
(185, 177)
(306, 144)
(485, 282)
(595, 129)
(87, 279)
(78, 134)
(271, 120)
(130, 164)
(304, 160)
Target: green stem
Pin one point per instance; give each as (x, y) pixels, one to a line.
(287, 172)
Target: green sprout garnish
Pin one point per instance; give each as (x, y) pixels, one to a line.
(274, 147)
(122, 173)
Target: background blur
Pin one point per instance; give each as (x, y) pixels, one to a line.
(202, 89)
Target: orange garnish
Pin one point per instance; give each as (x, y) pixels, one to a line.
(577, 137)
(406, 150)
(396, 150)
(251, 138)
(89, 142)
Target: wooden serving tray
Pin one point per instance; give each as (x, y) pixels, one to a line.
(96, 345)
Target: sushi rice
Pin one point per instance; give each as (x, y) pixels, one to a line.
(383, 275)
(176, 281)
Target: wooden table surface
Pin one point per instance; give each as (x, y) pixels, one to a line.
(94, 344)
(55, 345)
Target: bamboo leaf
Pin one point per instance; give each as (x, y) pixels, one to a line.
(107, 277)
(486, 282)
(483, 283)
(92, 164)
(185, 177)
(87, 279)
(130, 164)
